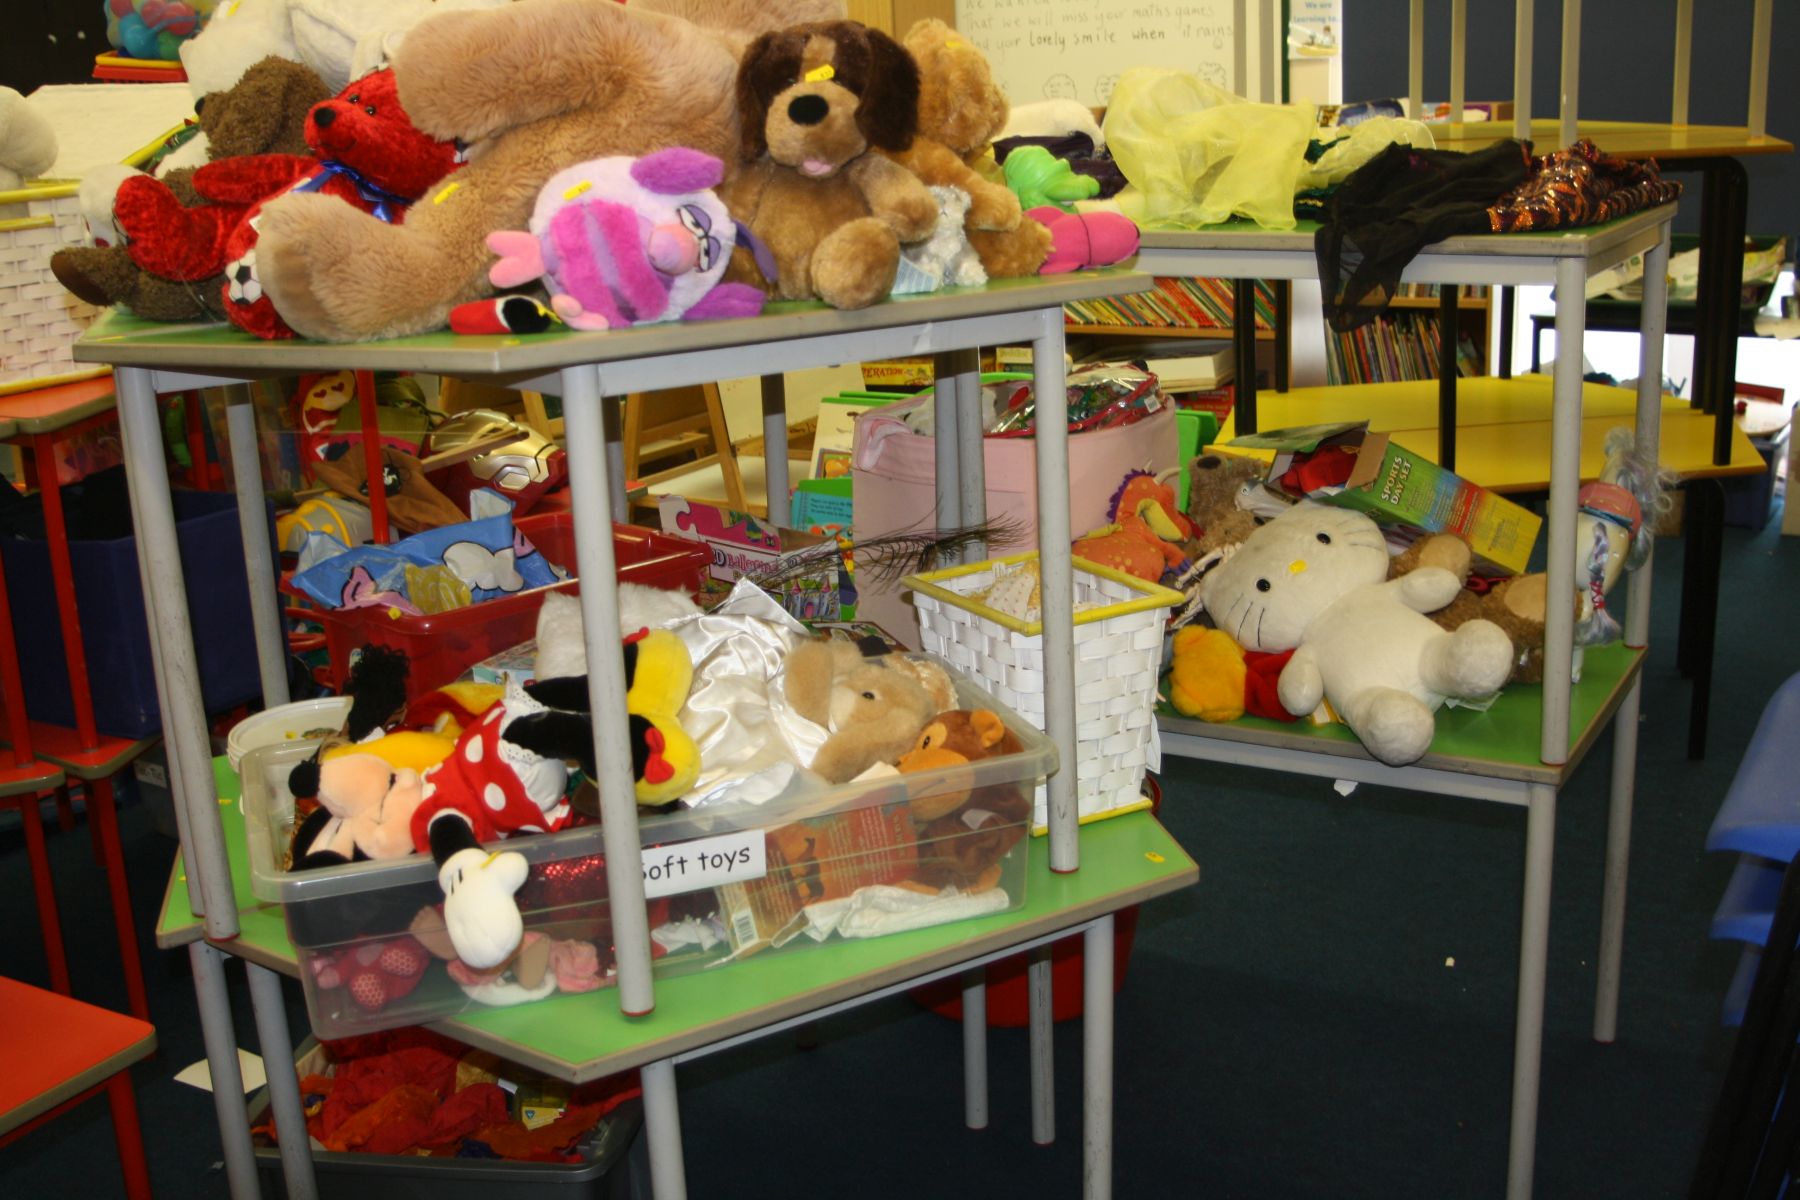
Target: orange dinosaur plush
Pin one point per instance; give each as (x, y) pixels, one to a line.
(1148, 531)
(965, 832)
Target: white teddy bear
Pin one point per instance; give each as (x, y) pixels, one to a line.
(27, 142)
(1314, 580)
(945, 259)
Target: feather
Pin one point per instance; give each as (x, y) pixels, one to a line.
(891, 556)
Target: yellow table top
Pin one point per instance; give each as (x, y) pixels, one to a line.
(1624, 139)
(1503, 426)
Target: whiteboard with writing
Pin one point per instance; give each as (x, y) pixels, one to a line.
(1075, 49)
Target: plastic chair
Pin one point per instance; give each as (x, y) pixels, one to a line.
(1752, 1138)
(1754, 1134)
(58, 1052)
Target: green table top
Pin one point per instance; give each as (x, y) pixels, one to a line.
(121, 338)
(1125, 860)
(1501, 743)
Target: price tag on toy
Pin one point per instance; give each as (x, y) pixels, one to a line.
(708, 862)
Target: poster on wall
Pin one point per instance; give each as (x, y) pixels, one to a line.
(1076, 49)
(1315, 28)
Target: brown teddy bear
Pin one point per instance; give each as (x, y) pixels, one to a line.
(1516, 605)
(531, 88)
(1214, 481)
(263, 113)
(873, 703)
(813, 100)
(961, 108)
(963, 833)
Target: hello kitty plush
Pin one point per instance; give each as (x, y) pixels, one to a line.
(1314, 580)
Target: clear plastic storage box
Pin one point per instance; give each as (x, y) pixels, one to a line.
(817, 863)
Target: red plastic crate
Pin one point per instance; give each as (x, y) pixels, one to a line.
(444, 645)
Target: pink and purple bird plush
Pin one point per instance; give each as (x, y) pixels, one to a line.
(629, 241)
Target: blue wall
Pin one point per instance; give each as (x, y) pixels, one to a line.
(1627, 63)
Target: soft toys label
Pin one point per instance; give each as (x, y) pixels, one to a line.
(704, 863)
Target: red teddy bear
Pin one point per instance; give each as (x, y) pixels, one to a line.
(366, 152)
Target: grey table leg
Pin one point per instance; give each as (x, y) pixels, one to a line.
(662, 1129)
(1097, 1059)
(176, 774)
(970, 455)
(1653, 318)
(259, 556)
(610, 417)
(775, 433)
(183, 717)
(1528, 1027)
(974, 1021)
(1049, 383)
(277, 1046)
(589, 485)
(1618, 853)
(227, 1079)
(1043, 1047)
(946, 374)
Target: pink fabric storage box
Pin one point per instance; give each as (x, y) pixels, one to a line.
(895, 474)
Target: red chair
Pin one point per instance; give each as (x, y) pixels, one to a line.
(58, 1052)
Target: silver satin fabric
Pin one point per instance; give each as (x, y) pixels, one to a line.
(751, 743)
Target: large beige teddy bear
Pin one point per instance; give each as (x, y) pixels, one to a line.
(531, 88)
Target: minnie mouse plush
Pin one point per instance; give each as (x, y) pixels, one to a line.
(366, 152)
(508, 775)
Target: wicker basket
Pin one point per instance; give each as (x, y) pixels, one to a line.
(39, 320)
(94, 124)
(1118, 650)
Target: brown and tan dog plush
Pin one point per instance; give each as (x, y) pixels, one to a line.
(814, 99)
(873, 704)
(263, 113)
(963, 833)
(531, 88)
(961, 108)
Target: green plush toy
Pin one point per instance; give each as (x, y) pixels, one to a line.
(1040, 178)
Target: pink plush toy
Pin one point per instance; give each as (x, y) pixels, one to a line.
(629, 241)
(1090, 239)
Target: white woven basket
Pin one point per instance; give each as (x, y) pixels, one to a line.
(1118, 651)
(39, 319)
(96, 125)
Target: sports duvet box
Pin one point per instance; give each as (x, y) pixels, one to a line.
(816, 863)
(1346, 465)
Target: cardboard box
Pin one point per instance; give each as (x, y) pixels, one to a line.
(743, 544)
(1404, 492)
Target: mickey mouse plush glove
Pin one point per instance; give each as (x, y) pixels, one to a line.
(479, 910)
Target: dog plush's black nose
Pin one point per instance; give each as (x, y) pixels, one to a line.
(807, 110)
(324, 116)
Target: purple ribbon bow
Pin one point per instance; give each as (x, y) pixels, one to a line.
(385, 202)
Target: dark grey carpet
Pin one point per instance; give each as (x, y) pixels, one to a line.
(1329, 1013)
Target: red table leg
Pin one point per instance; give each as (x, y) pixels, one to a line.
(194, 413)
(49, 922)
(105, 819)
(12, 687)
(128, 1135)
(62, 571)
(65, 812)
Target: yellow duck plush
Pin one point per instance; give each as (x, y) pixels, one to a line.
(1206, 678)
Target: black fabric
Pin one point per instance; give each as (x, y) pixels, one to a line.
(1394, 205)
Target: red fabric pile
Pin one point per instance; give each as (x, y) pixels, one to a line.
(396, 1093)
